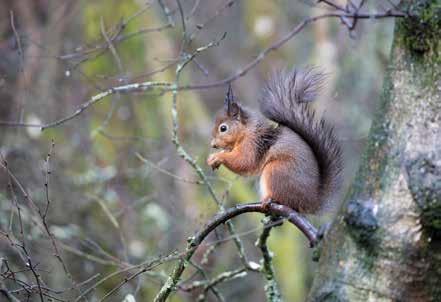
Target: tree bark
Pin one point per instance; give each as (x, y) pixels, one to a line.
(385, 244)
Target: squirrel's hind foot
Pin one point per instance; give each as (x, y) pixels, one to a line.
(266, 203)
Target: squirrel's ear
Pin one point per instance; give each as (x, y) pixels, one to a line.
(232, 108)
(229, 100)
(238, 113)
(235, 111)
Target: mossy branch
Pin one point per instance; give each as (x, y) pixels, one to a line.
(273, 209)
(271, 288)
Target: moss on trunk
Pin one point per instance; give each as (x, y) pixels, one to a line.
(385, 244)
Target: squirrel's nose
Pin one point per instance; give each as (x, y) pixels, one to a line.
(213, 144)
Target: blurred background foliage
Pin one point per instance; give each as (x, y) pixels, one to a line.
(110, 207)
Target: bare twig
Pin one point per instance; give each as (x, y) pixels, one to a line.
(207, 281)
(111, 46)
(48, 173)
(148, 162)
(167, 12)
(209, 20)
(222, 277)
(116, 38)
(18, 40)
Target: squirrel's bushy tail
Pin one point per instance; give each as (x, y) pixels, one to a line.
(285, 100)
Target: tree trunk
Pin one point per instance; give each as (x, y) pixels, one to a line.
(385, 244)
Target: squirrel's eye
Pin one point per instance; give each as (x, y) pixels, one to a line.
(223, 128)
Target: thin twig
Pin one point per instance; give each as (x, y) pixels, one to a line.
(111, 46)
(48, 173)
(213, 287)
(18, 40)
(148, 162)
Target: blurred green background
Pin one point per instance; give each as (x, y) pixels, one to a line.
(108, 207)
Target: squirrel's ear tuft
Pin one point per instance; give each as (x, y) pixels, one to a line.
(229, 100)
(232, 108)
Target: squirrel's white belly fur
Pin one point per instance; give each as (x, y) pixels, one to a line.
(263, 187)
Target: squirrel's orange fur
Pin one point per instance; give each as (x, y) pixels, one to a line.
(299, 159)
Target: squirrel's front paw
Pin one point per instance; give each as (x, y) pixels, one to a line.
(214, 161)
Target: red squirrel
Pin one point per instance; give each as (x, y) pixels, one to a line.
(298, 157)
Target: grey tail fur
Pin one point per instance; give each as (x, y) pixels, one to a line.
(285, 100)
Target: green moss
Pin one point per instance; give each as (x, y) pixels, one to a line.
(316, 253)
(421, 31)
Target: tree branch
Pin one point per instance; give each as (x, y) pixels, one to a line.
(273, 209)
